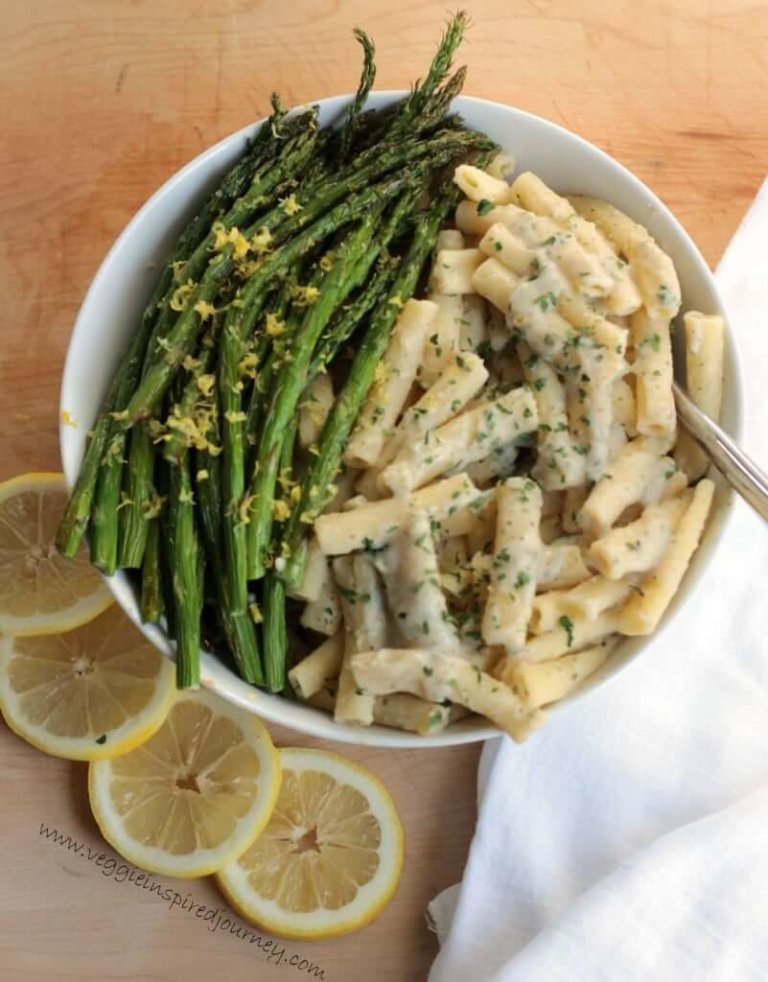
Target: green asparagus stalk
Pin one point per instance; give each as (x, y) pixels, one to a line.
(371, 165)
(441, 101)
(167, 533)
(315, 489)
(263, 360)
(175, 445)
(151, 577)
(239, 625)
(424, 109)
(234, 183)
(106, 496)
(138, 489)
(274, 633)
(346, 319)
(208, 495)
(440, 151)
(177, 344)
(418, 101)
(288, 385)
(349, 131)
(76, 515)
(139, 492)
(245, 309)
(261, 150)
(185, 577)
(271, 175)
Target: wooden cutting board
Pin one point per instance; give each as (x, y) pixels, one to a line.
(101, 103)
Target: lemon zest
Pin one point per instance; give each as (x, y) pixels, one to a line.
(205, 384)
(274, 326)
(280, 510)
(290, 205)
(256, 615)
(261, 242)
(244, 509)
(153, 507)
(284, 479)
(124, 501)
(248, 365)
(205, 309)
(179, 302)
(304, 295)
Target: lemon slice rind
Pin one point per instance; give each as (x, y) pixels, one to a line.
(72, 615)
(136, 729)
(202, 861)
(371, 898)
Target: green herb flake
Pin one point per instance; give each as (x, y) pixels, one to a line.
(653, 341)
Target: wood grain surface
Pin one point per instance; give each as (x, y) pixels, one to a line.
(102, 101)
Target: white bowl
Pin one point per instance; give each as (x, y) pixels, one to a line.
(122, 286)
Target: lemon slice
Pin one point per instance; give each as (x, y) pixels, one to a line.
(93, 692)
(331, 856)
(195, 795)
(41, 592)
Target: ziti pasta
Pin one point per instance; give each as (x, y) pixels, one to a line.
(522, 497)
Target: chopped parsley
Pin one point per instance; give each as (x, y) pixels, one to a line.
(545, 300)
(566, 624)
(653, 341)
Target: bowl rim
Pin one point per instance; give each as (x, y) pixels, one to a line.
(215, 675)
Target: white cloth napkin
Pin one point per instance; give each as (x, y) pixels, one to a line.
(627, 841)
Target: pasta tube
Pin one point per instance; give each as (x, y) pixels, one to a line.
(644, 611)
(561, 565)
(462, 441)
(388, 393)
(324, 614)
(318, 668)
(365, 624)
(460, 382)
(513, 569)
(571, 634)
(453, 271)
(558, 464)
(374, 525)
(438, 677)
(584, 601)
(479, 185)
(315, 407)
(399, 711)
(639, 546)
(546, 682)
(704, 343)
(624, 485)
(412, 580)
